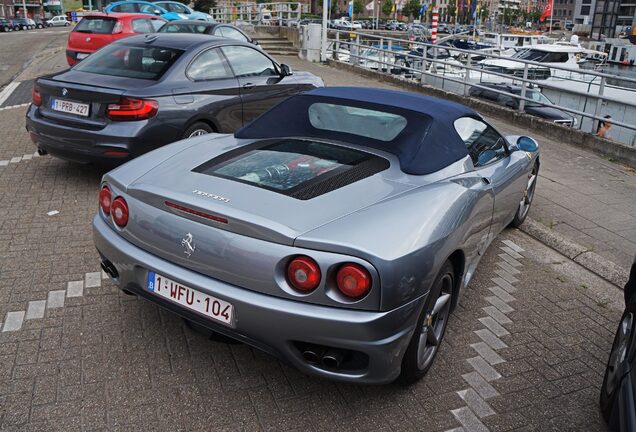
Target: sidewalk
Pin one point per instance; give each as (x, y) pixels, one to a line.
(589, 200)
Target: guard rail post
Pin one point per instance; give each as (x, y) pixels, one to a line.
(524, 83)
(599, 105)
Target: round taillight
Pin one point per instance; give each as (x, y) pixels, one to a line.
(303, 274)
(353, 280)
(119, 210)
(105, 198)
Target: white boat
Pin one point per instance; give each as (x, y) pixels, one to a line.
(511, 40)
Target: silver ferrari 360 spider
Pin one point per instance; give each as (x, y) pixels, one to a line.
(336, 231)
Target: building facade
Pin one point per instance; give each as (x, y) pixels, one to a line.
(584, 11)
(612, 17)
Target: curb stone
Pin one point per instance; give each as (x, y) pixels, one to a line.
(583, 256)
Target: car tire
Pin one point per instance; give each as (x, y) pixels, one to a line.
(196, 129)
(623, 341)
(66, 24)
(430, 328)
(528, 196)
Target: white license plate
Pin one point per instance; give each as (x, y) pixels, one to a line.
(81, 56)
(192, 299)
(69, 107)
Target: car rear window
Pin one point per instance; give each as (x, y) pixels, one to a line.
(299, 168)
(130, 61)
(183, 28)
(97, 25)
(368, 123)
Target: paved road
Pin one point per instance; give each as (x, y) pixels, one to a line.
(525, 349)
(21, 48)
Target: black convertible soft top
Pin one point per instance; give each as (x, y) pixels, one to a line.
(428, 143)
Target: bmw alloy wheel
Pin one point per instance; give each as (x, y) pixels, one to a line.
(434, 324)
(198, 132)
(618, 355)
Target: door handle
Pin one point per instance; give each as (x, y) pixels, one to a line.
(485, 180)
(248, 86)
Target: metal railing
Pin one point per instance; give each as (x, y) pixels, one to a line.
(438, 64)
(277, 13)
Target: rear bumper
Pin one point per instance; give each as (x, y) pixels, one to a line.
(119, 141)
(272, 324)
(72, 56)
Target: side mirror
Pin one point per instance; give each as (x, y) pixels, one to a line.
(285, 70)
(527, 144)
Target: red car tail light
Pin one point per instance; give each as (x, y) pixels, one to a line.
(119, 210)
(303, 274)
(36, 96)
(129, 109)
(353, 280)
(105, 198)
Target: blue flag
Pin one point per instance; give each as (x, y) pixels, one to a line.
(351, 8)
(423, 9)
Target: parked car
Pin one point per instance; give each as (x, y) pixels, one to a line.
(99, 29)
(211, 28)
(142, 92)
(58, 21)
(6, 25)
(23, 24)
(183, 11)
(291, 238)
(39, 23)
(144, 7)
(540, 106)
(343, 24)
(619, 384)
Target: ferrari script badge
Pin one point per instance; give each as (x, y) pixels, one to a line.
(188, 243)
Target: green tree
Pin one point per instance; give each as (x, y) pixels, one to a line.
(412, 8)
(450, 12)
(358, 7)
(204, 5)
(387, 7)
(334, 9)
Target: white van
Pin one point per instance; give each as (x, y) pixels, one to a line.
(58, 21)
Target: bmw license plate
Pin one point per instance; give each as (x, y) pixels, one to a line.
(69, 107)
(192, 299)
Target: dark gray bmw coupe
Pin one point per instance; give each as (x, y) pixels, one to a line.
(143, 92)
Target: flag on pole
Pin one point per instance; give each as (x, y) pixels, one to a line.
(547, 11)
(473, 8)
(370, 6)
(423, 9)
(351, 8)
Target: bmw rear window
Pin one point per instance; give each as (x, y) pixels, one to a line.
(96, 25)
(131, 61)
(299, 168)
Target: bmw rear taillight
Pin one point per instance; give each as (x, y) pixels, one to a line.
(36, 96)
(119, 211)
(353, 280)
(303, 274)
(105, 199)
(118, 27)
(130, 109)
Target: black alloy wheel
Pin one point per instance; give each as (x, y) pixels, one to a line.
(528, 196)
(430, 328)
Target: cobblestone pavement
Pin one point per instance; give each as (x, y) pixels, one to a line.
(525, 349)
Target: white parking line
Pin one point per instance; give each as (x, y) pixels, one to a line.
(4, 94)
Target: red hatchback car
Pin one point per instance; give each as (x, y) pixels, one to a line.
(99, 29)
